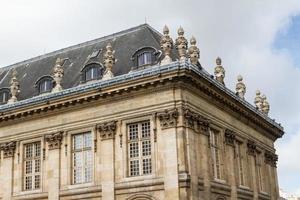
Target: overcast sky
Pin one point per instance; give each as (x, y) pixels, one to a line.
(259, 39)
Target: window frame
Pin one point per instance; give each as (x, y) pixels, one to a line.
(42, 80)
(155, 55)
(214, 166)
(4, 91)
(93, 65)
(241, 163)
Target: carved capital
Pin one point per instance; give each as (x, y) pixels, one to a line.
(8, 149)
(107, 130)
(189, 118)
(251, 148)
(54, 140)
(229, 137)
(168, 118)
(203, 124)
(271, 158)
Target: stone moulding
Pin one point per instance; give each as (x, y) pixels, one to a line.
(229, 137)
(107, 130)
(54, 140)
(8, 149)
(168, 118)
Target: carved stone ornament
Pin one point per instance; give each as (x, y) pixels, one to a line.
(203, 124)
(219, 71)
(107, 130)
(240, 87)
(58, 73)
(8, 149)
(181, 44)
(229, 137)
(189, 118)
(109, 62)
(54, 140)
(168, 118)
(193, 52)
(251, 148)
(14, 88)
(192, 119)
(258, 100)
(265, 105)
(166, 44)
(271, 158)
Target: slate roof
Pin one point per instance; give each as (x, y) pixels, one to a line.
(125, 43)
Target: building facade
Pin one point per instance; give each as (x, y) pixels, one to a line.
(132, 116)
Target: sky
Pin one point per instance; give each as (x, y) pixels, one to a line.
(259, 39)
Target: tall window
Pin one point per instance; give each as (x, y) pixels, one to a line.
(32, 166)
(215, 151)
(82, 158)
(4, 95)
(139, 148)
(259, 171)
(240, 162)
(145, 58)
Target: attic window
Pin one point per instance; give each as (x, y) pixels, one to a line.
(144, 57)
(4, 95)
(44, 84)
(91, 72)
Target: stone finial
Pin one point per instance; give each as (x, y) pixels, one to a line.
(58, 73)
(14, 88)
(265, 105)
(109, 61)
(219, 71)
(181, 44)
(166, 44)
(240, 87)
(258, 100)
(194, 52)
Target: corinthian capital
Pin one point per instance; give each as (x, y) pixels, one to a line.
(107, 130)
(8, 149)
(168, 118)
(54, 140)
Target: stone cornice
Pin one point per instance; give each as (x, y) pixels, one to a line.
(156, 75)
(54, 140)
(168, 118)
(8, 149)
(107, 130)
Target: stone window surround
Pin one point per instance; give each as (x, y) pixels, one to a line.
(124, 138)
(20, 181)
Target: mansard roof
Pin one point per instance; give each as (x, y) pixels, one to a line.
(125, 44)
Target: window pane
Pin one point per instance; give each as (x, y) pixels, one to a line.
(92, 73)
(146, 147)
(145, 58)
(134, 168)
(77, 142)
(28, 167)
(28, 151)
(87, 140)
(146, 130)
(37, 181)
(134, 150)
(77, 159)
(133, 131)
(28, 183)
(37, 165)
(45, 86)
(147, 168)
(4, 96)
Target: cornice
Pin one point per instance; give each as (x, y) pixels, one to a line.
(157, 75)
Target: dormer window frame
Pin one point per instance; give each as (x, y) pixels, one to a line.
(4, 98)
(44, 80)
(92, 66)
(143, 51)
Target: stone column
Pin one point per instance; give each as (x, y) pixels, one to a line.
(53, 174)
(231, 162)
(107, 134)
(168, 134)
(7, 169)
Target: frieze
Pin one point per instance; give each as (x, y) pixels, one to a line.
(251, 148)
(54, 140)
(107, 130)
(271, 158)
(8, 149)
(168, 118)
(229, 137)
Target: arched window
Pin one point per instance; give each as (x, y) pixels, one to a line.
(91, 72)
(144, 57)
(44, 84)
(4, 95)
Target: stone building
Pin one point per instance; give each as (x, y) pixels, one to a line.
(132, 115)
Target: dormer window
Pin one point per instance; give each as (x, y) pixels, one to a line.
(144, 57)
(4, 95)
(91, 72)
(44, 84)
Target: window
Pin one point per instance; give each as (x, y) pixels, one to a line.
(4, 95)
(259, 171)
(215, 151)
(240, 162)
(92, 72)
(139, 149)
(32, 166)
(82, 158)
(44, 84)
(145, 58)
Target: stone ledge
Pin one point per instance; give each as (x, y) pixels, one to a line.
(220, 188)
(244, 193)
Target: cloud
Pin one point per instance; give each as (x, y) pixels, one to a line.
(241, 32)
